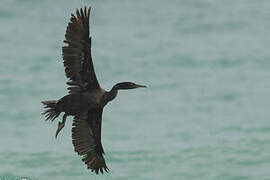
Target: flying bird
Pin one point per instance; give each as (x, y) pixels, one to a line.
(86, 99)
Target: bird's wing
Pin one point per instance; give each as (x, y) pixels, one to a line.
(86, 138)
(77, 54)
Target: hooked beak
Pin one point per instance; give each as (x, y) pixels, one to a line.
(142, 86)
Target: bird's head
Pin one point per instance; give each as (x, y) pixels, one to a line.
(119, 86)
(127, 85)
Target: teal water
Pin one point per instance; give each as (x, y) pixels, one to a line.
(205, 113)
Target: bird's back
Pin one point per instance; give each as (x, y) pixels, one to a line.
(73, 104)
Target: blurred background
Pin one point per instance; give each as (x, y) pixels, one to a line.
(205, 113)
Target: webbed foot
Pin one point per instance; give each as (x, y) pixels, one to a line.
(61, 125)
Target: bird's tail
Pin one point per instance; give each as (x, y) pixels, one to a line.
(51, 111)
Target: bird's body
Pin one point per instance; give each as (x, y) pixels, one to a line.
(86, 99)
(72, 104)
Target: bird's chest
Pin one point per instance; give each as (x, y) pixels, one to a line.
(94, 98)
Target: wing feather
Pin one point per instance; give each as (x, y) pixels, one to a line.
(77, 53)
(86, 133)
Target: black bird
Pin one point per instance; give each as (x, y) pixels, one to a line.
(86, 99)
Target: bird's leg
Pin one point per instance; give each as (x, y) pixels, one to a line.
(61, 125)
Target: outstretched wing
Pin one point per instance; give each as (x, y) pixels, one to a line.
(86, 138)
(77, 54)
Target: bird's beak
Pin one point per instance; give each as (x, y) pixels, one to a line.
(142, 86)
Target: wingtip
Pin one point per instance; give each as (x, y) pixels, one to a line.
(78, 13)
(107, 169)
(101, 170)
(85, 11)
(88, 13)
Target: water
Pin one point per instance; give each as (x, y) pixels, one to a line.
(205, 113)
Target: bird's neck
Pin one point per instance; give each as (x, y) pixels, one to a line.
(110, 95)
(113, 93)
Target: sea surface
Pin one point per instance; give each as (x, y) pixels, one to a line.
(204, 116)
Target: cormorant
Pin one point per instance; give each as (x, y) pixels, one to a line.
(86, 99)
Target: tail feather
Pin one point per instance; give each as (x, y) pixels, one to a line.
(51, 112)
